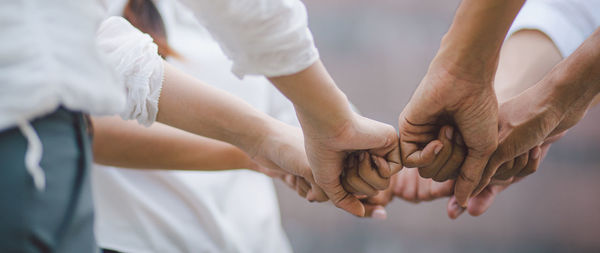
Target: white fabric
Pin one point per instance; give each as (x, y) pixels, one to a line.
(139, 67)
(176, 211)
(567, 22)
(48, 56)
(33, 155)
(267, 37)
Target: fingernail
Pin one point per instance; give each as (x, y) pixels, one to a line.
(361, 157)
(535, 154)
(438, 149)
(449, 133)
(380, 214)
(457, 210)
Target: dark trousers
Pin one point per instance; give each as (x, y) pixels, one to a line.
(59, 218)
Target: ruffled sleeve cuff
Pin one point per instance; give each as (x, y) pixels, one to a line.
(139, 67)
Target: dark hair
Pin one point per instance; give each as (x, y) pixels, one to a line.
(144, 15)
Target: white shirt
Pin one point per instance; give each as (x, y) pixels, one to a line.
(49, 58)
(567, 22)
(175, 211)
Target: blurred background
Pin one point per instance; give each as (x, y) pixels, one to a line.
(378, 51)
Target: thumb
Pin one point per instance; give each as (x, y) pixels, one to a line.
(343, 199)
(453, 208)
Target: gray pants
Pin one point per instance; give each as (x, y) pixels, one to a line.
(60, 218)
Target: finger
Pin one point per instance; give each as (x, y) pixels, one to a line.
(348, 187)
(502, 169)
(354, 180)
(517, 165)
(409, 192)
(469, 177)
(490, 170)
(445, 136)
(375, 211)
(423, 189)
(302, 187)
(452, 166)
(394, 161)
(369, 174)
(342, 199)
(382, 167)
(442, 189)
(453, 208)
(533, 163)
(414, 158)
(290, 180)
(399, 184)
(391, 155)
(482, 202)
(316, 194)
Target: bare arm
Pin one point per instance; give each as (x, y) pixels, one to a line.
(332, 131)
(458, 90)
(127, 144)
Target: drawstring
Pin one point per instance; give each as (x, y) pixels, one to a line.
(33, 155)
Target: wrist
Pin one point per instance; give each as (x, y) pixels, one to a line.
(466, 63)
(569, 88)
(316, 98)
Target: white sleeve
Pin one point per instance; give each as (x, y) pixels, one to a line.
(137, 64)
(567, 22)
(264, 37)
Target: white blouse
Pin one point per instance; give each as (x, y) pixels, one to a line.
(567, 22)
(49, 58)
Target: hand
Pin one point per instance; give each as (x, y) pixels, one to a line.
(448, 98)
(359, 169)
(328, 149)
(281, 155)
(297, 183)
(481, 202)
(526, 121)
(409, 186)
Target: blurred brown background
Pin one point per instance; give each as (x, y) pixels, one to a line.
(378, 51)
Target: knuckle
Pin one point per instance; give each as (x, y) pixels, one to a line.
(468, 178)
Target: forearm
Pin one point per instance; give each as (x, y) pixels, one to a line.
(190, 105)
(575, 82)
(315, 96)
(127, 144)
(526, 57)
(472, 44)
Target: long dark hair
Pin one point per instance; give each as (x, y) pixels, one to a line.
(144, 15)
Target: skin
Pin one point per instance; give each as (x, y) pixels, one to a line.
(526, 57)
(127, 144)
(332, 131)
(555, 104)
(200, 109)
(458, 90)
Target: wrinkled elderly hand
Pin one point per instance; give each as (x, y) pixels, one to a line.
(527, 121)
(445, 98)
(482, 202)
